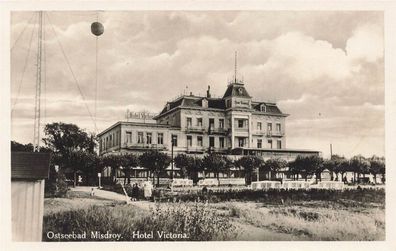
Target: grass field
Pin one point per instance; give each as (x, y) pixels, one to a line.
(347, 218)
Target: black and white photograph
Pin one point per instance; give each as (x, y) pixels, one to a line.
(197, 125)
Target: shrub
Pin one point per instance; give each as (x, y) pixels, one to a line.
(55, 185)
(195, 220)
(281, 196)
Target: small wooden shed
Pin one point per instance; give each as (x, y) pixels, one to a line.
(28, 172)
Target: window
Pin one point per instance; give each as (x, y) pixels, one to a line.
(240, 123)
(259, 126)
(199, 140)
(211, 141)
(221, 142)
(189, 122)
(128, 137)
(211, 123)
(278, 127)
(148, 138)
(199, 122)
(269, 127)
(279, 144)
(270, 143)
(174, 140)
(111, 140)
(228, 103)
(140, 138)
(259, 143)
(160, 139)
(189, 140)
(241, 142)
(221, 123)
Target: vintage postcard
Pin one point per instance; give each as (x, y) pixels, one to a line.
(248, 125)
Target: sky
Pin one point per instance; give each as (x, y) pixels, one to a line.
(324, 68)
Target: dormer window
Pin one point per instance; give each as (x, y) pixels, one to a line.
(263, 108)
(168, 107)
(204, 103)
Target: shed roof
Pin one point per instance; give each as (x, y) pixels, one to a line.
(29, 165)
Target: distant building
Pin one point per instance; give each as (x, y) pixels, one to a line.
(233, 125)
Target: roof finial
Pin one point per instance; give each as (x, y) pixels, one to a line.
(236, 55)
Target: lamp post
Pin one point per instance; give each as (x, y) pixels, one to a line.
(99, 175)
(173, 144)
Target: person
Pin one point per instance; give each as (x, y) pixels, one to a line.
(135, 192)
(92, 192)
(148, 190)
(204, 190)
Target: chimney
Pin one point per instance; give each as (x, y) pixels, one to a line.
(208, 92)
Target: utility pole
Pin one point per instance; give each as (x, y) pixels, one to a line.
(331, 151)
(37, 103)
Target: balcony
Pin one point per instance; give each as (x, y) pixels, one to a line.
(275, 133)
(259, 132)
(218, 130)
(195, 129)
(218, 149)
(142, 146)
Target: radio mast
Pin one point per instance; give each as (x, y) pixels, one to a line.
(37, 103)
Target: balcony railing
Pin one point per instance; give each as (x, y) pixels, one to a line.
(217, 130)
(197, 129)
(145, 146)
(260, 132)
(275, 133)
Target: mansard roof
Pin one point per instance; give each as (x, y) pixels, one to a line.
(194, 101)
(190, 101)
(267, 107)
(236, 90)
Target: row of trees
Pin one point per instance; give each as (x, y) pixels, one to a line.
(73, 151)
(302, 166)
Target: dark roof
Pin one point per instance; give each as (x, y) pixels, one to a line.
(194, 101)
(269, 107)
(237, 90)
(29, 165)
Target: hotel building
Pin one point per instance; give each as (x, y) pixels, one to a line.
(234, 125)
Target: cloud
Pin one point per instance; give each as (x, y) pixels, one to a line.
(311, 63)
(366, 43)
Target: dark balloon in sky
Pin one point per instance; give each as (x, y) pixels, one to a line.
(97, 28)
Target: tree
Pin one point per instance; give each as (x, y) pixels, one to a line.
(155, 161)
(376, 166)
(215, 163)
(359, 165)
(308, 165)
(64, 138)
(128, 161)
(334, 165)
(18, 147)
(114, 162)
(184, 163)
(275, 165)
(293, 169)
(343, 167)
(316, 163)
(249, 163)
